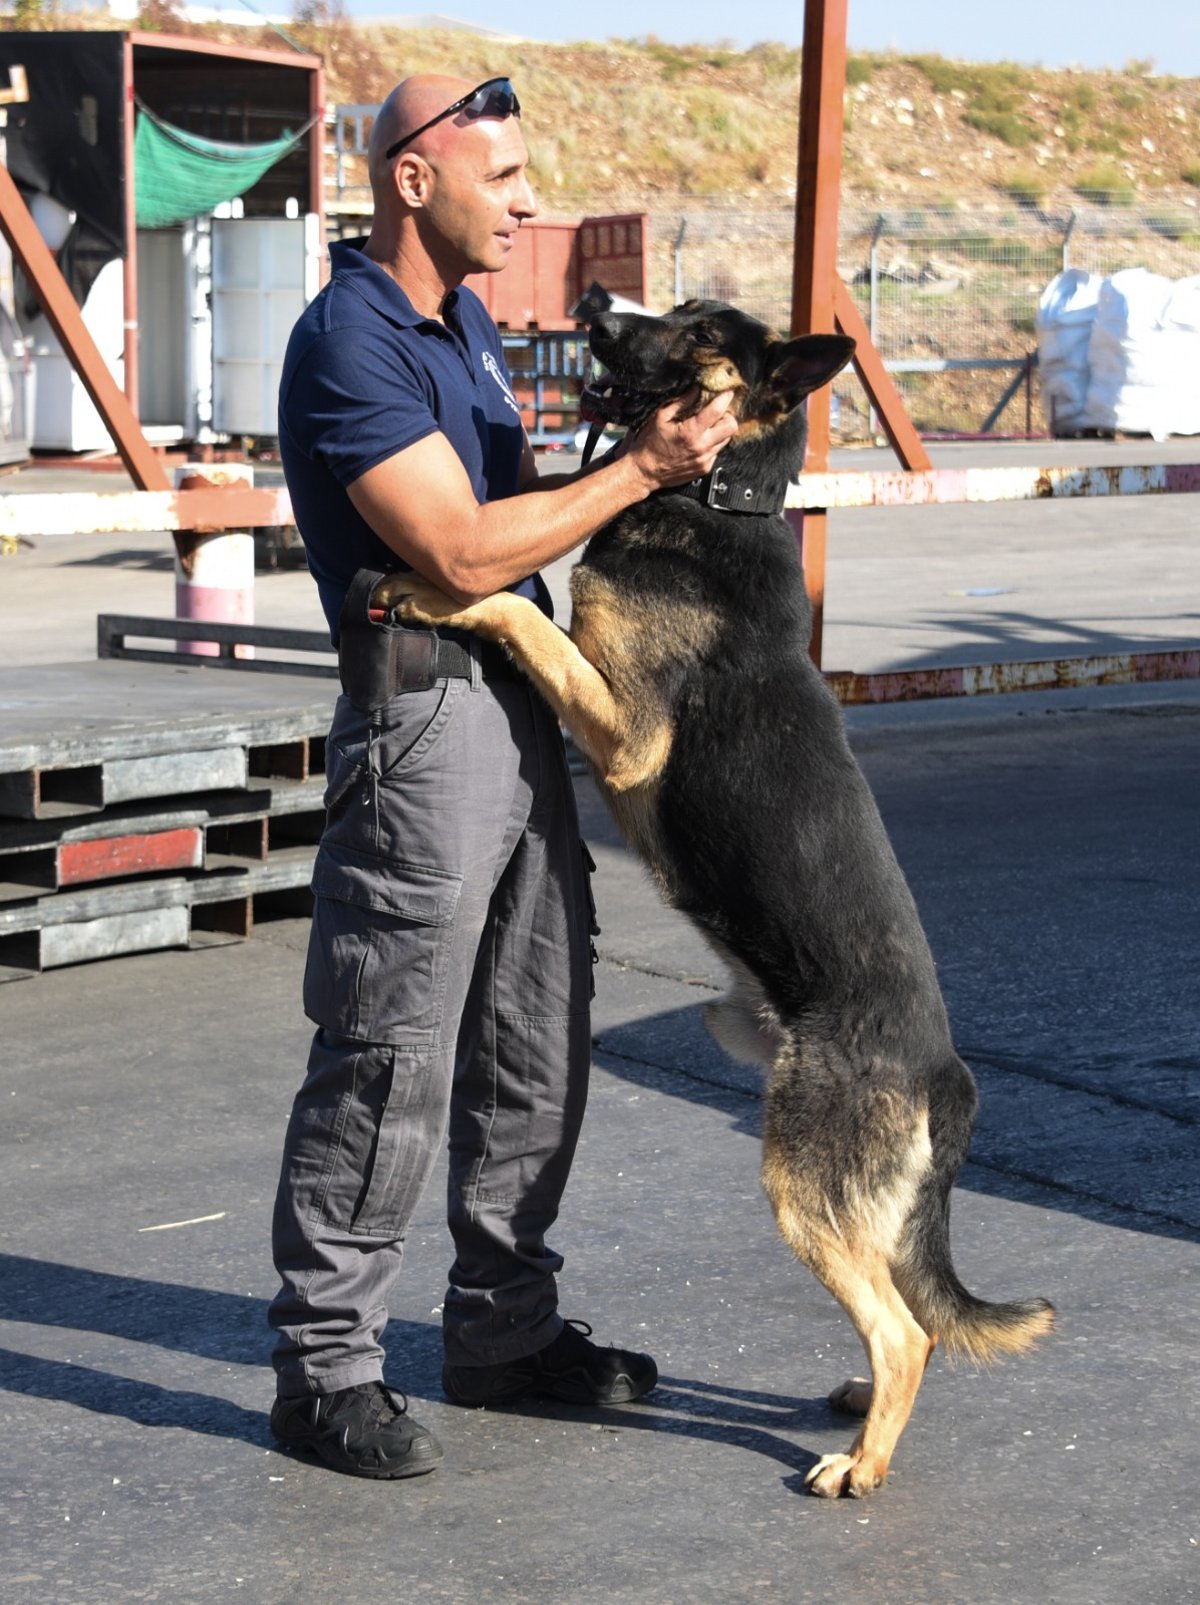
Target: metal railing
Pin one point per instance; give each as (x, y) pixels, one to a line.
(949, 293)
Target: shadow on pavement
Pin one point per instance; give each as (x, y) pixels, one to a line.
(147, 1404)
(232, 1327)
(1064, 1141)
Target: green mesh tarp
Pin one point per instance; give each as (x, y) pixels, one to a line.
(178, 175)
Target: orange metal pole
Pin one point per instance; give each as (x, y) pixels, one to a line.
(130, 267)
(57, 302)
(878, 383)
(820, 301)
(316, 156)
(814, 262)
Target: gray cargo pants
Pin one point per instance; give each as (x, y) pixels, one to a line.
(449, 976)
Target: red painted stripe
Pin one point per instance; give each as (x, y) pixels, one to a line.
(911, 685)
(1183, 477)
(129, 855)
(1167, 665)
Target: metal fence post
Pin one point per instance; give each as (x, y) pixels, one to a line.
(875, 235)
(877, 231)
(683, 223)
(1066, 239)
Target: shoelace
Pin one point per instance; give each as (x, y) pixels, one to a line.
(379, 1402)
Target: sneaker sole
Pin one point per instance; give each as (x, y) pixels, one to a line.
(332, 1452)
(560, 1390)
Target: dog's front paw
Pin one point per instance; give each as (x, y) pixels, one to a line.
(413, 600)
(851, 1476)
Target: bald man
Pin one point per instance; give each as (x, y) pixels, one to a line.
(449, 965)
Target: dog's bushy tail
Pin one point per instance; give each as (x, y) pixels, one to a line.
(966, 1326)
(923, 1271)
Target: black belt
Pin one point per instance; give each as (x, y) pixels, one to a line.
(378, 659)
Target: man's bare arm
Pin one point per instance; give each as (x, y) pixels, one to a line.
(420, 503)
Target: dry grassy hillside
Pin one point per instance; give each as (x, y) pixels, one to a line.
(634, 120)
(629, 121)
(980, 171)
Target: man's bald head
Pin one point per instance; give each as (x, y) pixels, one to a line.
(451, 202)
(410, 104)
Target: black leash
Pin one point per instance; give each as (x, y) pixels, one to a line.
(595, 430)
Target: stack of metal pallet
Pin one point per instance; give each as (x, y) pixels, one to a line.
(146, 806)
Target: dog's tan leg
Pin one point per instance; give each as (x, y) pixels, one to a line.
(898, 1351)
(572, 686)
(859, 1277)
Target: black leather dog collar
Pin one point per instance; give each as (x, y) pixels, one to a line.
(723, 490)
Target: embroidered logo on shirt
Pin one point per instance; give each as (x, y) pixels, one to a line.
(493, 367)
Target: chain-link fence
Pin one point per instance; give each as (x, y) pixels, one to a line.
(949, 293)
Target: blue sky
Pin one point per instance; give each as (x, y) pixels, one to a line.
(1104, 33)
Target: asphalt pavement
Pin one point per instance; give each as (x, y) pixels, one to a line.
(1050, 840)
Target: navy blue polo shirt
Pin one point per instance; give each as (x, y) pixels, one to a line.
(366, 375)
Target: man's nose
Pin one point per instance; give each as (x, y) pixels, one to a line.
(525, 202)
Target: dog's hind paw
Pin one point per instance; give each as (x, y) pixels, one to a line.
(851, 1476)
(853, 1398)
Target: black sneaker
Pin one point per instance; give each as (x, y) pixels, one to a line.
(364, 1430)
(570, 1369)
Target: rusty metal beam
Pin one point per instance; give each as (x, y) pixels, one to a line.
(989, 679)
(814, 257)
(942, 486)
(57, 302)
(130, 264)
(818, 183)
(233, 507)
(194, 45)
(878, 383)
(316, 157)
(142, 512)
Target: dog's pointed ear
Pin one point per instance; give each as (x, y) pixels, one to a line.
(797, 367)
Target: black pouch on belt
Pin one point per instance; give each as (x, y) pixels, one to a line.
(377, 660)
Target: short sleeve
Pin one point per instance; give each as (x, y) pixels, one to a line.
(354, 401)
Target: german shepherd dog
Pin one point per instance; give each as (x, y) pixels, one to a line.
(687, 683)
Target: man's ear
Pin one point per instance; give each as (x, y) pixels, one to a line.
(411, 176)
(796, 367)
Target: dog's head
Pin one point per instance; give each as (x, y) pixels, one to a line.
(704, 347)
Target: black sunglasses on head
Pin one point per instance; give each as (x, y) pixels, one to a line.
(495, 98)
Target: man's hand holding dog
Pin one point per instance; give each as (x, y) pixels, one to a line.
(678, 444)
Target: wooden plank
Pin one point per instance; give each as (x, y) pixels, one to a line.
(262, 799)
(113, 935)
(116, 856)
(286, 870)
(174, 774)
(69, 714)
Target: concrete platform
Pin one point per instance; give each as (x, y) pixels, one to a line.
(1052, 848)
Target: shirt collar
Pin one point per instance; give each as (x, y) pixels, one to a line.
(350, 263)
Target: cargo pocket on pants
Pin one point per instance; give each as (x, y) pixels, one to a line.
(379, 948)
(388, 1129)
